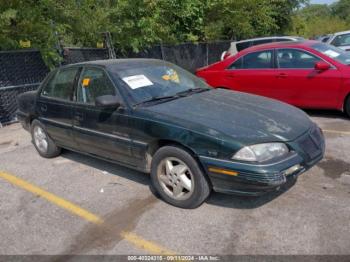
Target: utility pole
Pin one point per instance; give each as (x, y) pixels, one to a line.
(109, 45)
(58, 44)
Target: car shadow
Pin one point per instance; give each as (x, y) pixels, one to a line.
(105, 166)
(247, 202)
(326, 113)
(218, 199)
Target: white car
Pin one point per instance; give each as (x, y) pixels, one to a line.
(341, 40)
(235, 47)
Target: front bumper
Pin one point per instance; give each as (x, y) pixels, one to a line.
(258, 178)
(255, 179)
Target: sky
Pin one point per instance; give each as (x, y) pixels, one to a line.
(322, 1)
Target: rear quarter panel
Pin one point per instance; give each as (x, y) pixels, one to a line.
(214, 74)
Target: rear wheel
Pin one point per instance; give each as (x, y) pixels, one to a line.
(45, 146)
(178, 178)
(347, 106)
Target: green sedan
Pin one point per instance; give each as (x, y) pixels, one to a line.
(155, 117)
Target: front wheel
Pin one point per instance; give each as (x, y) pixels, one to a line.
(178, 178)
(45, 146)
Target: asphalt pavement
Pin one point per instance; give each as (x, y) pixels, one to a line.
(75, 204)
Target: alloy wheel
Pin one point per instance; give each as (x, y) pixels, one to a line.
(40, 139)
(175, 178)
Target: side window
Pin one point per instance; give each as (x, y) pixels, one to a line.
(341, 40)
(243, 45)
(93, 83)
(61, 85)
(292, 58)
(282, 40)
(258, 60)
(325, 39)
(262, 41)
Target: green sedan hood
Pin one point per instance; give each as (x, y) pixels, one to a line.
(245, 118)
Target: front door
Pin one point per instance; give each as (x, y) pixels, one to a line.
(55, 106)
(304, 86)
(102, 132)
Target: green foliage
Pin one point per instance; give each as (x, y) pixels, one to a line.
(238, 19)
(314, 20)
(317, 26)
(136, 24)
(341, 9)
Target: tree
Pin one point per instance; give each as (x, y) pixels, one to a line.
(341, 9)
(314, 20)
(138, 24)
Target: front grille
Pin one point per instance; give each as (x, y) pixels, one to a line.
(312, 143)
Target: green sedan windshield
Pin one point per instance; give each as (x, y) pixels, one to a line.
(159, 80)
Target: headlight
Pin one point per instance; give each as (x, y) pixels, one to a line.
(261, 152)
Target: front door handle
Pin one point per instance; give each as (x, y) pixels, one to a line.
(282, 75)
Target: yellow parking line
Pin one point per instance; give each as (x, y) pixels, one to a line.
(52, 198)
(336, 132)
(145, 244)
(132, 238)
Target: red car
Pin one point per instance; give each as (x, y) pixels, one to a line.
(307, 74)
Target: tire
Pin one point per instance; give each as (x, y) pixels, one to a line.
(45, 146)
(178, 179)
(347, 106)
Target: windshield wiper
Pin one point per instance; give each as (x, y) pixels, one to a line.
(192, 90)
(177, 95)
(157, 98)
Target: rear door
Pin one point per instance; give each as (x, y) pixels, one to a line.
(102, 132)
(253, 73)
(301, 84)
(55, 106)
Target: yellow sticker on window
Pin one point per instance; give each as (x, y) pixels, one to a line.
(171, 75)
(86, 82)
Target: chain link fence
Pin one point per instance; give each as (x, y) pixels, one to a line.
(23, 70)
(188, 55)
(20, 71)
(73, 55)
(8, 101)
(21, 67)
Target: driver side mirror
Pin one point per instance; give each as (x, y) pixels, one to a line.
(107, 102)
(322, 66)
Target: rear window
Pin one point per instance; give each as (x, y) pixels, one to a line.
(237, 64)
(61, 85)
(243, 45)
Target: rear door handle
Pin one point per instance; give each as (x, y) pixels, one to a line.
(43, 108)
(79, 116)
(282, 75)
